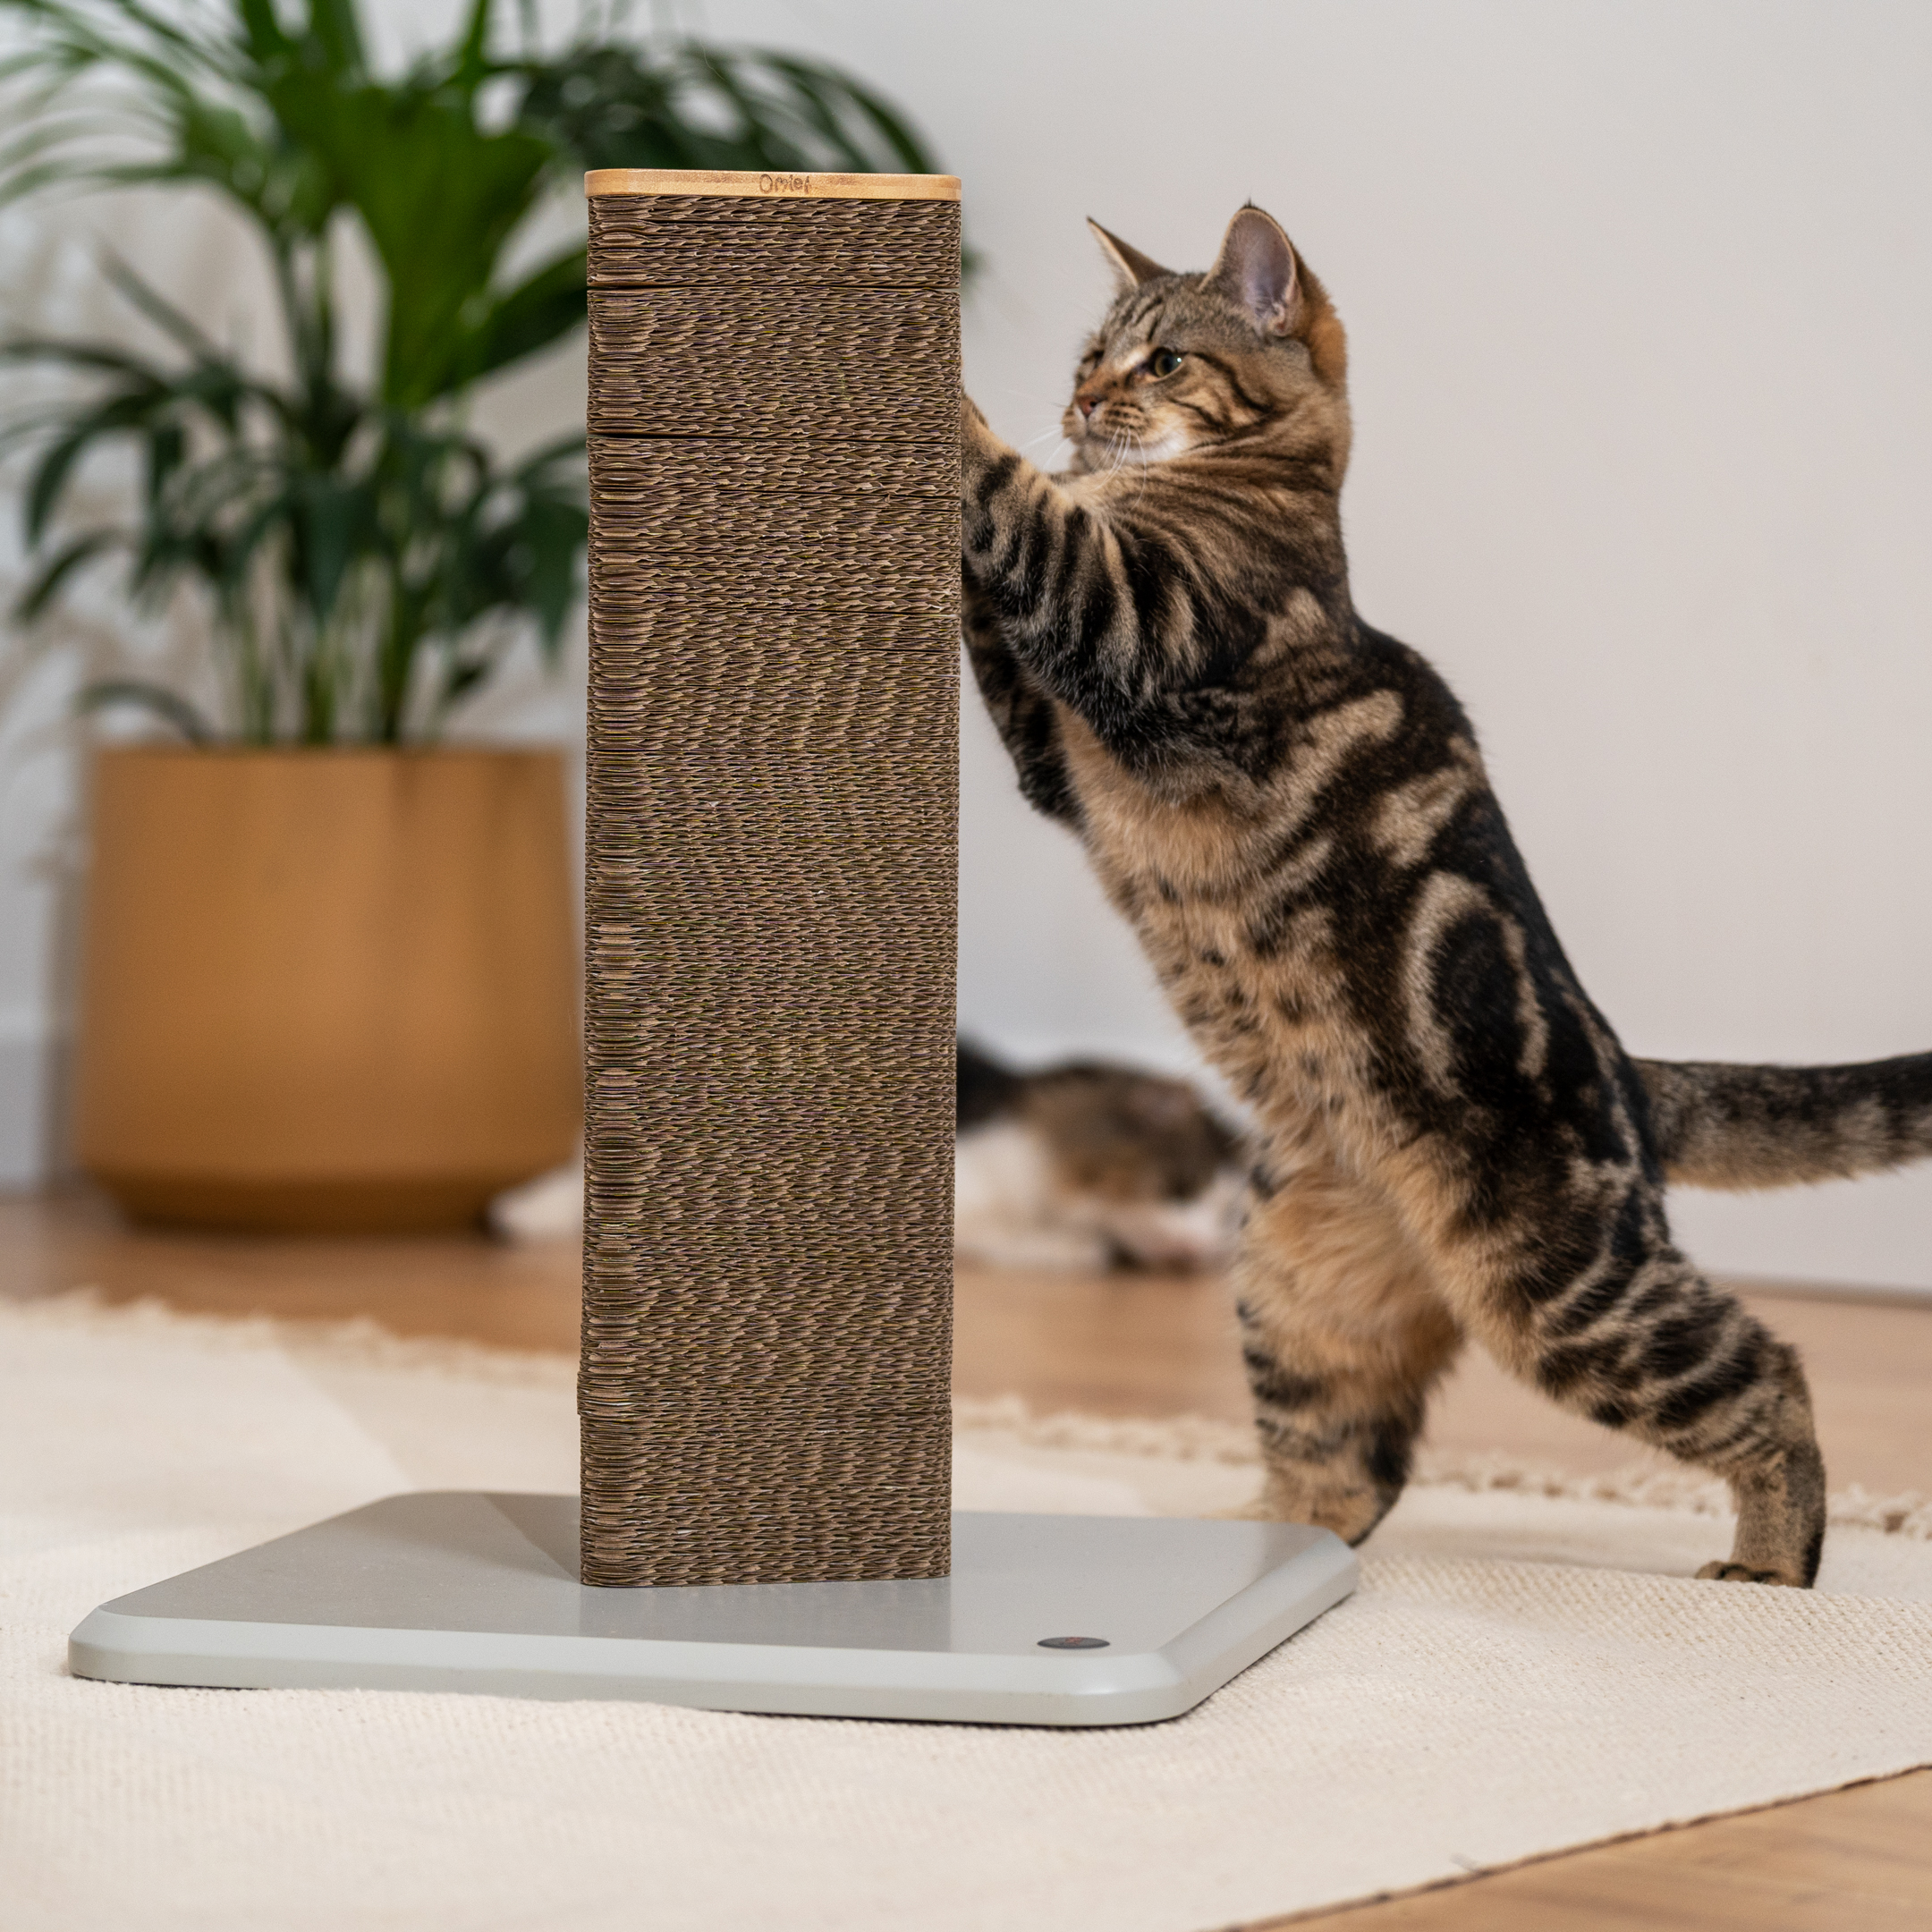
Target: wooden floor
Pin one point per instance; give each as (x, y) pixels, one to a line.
(1152, 1345)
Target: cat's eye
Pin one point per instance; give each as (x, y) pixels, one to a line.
(1163, 362)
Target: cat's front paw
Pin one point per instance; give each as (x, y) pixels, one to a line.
(978, 445)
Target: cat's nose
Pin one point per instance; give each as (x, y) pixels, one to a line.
(1085, 406)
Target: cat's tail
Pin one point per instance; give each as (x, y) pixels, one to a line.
(1721, 1126)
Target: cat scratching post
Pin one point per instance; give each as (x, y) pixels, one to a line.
(770, 857)
(770, 868)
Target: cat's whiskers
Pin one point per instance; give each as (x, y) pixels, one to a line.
(1117, 449)
(1124, 447)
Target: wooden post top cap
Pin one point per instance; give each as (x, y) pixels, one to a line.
(772, 187)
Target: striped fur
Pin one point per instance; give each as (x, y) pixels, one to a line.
(1717, 1126)
(1291, 811)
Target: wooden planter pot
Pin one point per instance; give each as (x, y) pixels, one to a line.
(326, 991)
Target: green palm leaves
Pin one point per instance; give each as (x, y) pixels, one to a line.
(366, 560)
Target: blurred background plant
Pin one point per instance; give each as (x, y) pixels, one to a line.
(366, 560)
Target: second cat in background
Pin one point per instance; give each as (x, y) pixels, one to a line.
(1086, 1165)
(1082, 1166)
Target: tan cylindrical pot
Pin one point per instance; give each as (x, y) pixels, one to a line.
(326, 991)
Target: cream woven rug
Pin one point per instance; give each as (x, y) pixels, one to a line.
(1526, 1667)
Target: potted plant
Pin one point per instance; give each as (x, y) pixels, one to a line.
(330, 975)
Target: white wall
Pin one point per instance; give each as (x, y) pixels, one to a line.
(1644, 461)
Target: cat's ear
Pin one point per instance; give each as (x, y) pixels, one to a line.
(1130, 268)
(1256, 268)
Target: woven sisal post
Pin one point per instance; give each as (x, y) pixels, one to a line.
(770, 876)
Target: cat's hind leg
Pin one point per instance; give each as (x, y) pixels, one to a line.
(1343, 1336)
(1687, 1367)
(1636, 1339)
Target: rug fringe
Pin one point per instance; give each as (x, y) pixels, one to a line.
(1637, 1485)
(350, 1342)
(361, 1342)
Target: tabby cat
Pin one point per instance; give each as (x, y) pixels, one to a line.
(1290, 809)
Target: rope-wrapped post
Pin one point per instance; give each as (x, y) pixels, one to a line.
(770, 862)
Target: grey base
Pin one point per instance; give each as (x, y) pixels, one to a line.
(453, 1591)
